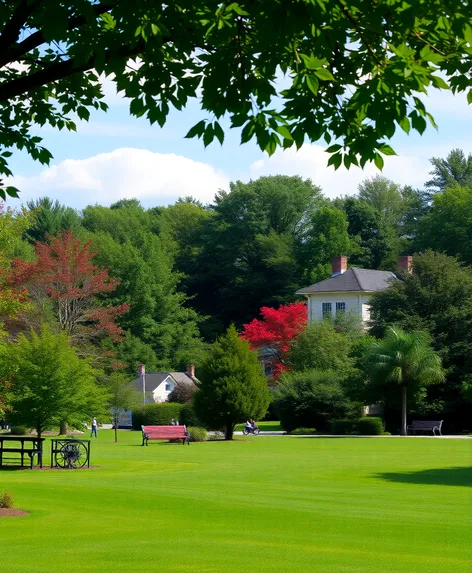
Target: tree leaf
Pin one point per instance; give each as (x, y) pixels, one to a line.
(386, 149)
(196, 130)
(324, 74)
(379, 161)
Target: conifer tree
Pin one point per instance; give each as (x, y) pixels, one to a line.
(232, 387)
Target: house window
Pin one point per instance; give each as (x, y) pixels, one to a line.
(340, 307)
(326, 309)
(168, 387)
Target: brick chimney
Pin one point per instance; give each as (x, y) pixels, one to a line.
(338, 265)
(406, 263)
(191, 371)
(141, 370)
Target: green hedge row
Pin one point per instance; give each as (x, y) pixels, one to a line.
(303, 431)
(369, 426)
(162, 414)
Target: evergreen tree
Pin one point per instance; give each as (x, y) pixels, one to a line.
(456, 169)
(232, 387)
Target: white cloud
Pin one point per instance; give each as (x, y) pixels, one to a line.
(153, 178)
(310, 161)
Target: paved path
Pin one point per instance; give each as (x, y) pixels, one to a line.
(331, 436)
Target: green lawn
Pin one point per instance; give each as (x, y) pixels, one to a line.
(268, 505)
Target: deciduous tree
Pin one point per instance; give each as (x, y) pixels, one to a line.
(161, 55)
(276, 331)
(122, 396)
(64, 272)
(50, 384)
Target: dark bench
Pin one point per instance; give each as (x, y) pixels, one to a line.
(425, 426)
(36, 448)
(165, 433)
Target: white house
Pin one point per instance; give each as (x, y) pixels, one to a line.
(156, 386)
(348, 290)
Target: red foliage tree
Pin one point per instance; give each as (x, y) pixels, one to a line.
(64, 271)
(274, 333)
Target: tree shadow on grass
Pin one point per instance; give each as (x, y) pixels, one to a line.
(458, 476)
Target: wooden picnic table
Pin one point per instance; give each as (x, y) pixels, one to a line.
(35, 443)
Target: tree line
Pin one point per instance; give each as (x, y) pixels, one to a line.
(129, 285)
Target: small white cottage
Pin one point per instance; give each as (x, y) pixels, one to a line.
(156, 386)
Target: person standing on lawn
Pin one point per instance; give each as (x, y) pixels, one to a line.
(94, 428)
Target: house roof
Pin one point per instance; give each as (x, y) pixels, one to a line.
(353, 280)
(155, 379)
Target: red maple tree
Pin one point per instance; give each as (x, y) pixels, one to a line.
(65, 273)
(275, 331)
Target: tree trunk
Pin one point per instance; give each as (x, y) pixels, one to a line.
(229, 432)
(63, 429)
(403, 430)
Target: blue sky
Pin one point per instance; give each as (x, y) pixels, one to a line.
(115, 155)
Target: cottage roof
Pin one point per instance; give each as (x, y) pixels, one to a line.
(353, 280)
(155, 379)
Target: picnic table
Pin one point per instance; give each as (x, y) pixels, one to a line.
(28, 445)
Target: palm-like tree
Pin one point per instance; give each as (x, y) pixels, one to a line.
(407, 359)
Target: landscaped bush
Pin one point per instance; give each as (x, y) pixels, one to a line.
(343, 427)
(370, 426)
(188, 416)
(310, 399)
(197, 434)
(156, 415)
(303, 432)
(6, 499)
(19, 430)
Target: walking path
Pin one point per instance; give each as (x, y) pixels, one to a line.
(331, 436)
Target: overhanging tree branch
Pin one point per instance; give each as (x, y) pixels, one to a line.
(12, 29)
(61, 70)
(16, 50)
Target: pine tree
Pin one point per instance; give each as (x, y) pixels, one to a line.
(232, 387)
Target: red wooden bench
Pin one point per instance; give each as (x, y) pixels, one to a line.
(165, 433)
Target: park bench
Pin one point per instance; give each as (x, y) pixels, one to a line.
(165, 433)
(36, 449)
(425, 426)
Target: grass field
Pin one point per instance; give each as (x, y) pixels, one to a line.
(268, 505)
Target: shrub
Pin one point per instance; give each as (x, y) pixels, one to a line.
(370, 426)
(303, 431)
(182, 393)
(19, 430)
(197, 434)
(6, 499)
(310, 399)
(188, 416)
(155, 414)
(343, 427)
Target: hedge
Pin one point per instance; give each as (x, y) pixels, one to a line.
(19, 431)
(303, 431)
(370, 426)
(161, 414)
(343, 427)
(156, 414)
